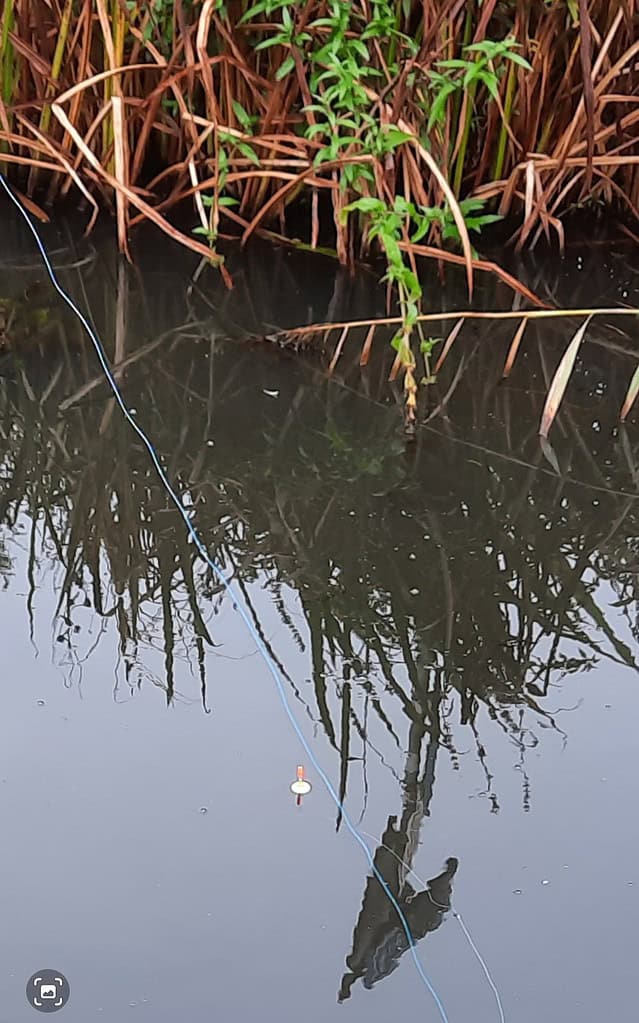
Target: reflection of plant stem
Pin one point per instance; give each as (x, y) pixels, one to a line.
(344, 748)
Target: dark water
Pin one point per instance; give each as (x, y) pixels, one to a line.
(456, 625)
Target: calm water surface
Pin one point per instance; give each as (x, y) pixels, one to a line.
(456, 627)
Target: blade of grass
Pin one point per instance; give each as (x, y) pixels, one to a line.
(514, 347)
(631, 395)
(560, 380)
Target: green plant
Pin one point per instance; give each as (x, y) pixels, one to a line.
(8, 62)
(474, 220)
(484, 63)
(389, 225)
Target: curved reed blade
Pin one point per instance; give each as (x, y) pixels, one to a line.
(33, 208)
(448, 344)
(458, 216)
(514, 347)
(366, 347)
(560, 380)
(549, 454)
(135, 200)
(395, 368)
(66, 165)
(633, 390)
(489, 266)
(338, 350)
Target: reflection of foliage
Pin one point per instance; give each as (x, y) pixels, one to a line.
(451, 582)
(6, 565)
(408, 588)
(353, 458)
(23, 321)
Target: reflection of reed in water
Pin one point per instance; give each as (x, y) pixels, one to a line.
(428, 588)
(379, 939)
(473, 578)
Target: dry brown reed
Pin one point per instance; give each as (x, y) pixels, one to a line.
(142, 106)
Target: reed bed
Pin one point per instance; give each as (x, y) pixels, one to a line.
(390, 125)
(404, 120)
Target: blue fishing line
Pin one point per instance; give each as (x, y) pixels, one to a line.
(268, 660)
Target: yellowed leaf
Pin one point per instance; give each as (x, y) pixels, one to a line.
(560, 380)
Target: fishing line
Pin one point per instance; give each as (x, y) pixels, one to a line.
(219, 574)
(458, 918)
